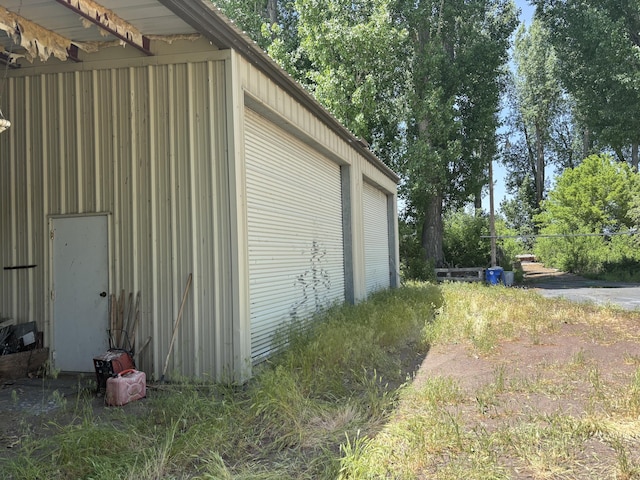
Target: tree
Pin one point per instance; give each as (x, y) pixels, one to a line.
(356, 53)
(458, 54)
(466, 241)
(537, 102)
(598, 46)
(597, 197)
(519, 214)
(251, 15)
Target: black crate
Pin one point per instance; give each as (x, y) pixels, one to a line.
(110, 364)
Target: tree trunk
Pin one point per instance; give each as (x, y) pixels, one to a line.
(477, 200)
(619, 154)
(539, 168)
(586, 143)
(432, 231)
(272, 11)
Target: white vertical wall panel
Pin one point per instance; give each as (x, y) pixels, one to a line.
(376, 238)
(294, 212)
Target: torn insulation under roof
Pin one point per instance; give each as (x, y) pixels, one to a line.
(36, 40)
(108, 19)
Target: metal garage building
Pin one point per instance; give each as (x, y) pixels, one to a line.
(150, 140)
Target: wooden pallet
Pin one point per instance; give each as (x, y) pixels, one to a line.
(470, 274)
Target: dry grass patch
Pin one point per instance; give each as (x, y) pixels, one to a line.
(513, 386)
(539, 388)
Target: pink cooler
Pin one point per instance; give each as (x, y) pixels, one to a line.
(127, 386)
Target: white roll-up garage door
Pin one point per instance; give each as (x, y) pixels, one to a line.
(376, 238)
(294, 211)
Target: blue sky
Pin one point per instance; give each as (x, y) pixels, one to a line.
(526, 10)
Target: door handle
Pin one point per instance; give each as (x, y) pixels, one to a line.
(103, 294)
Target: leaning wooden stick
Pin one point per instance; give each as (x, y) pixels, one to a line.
(175, 327)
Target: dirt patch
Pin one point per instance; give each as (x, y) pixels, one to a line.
(34, 407)
(568, 376)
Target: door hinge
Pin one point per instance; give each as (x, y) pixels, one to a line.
(52, 234)
(53, 295)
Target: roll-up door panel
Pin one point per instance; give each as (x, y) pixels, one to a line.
(294, 212)
(376, 239)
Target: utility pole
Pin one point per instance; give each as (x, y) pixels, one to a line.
(492, 220)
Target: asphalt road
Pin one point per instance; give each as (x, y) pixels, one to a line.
(578, 289)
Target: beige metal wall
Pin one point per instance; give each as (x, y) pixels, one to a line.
(144, 140)
(158, 144)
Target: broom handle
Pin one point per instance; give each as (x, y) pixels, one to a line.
(175, 327)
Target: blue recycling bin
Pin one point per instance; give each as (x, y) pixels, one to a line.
(494, 275)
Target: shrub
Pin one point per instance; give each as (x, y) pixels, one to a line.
(463, 244)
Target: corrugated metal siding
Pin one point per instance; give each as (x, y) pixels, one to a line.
(148, 145)
(281, 108)
(376, 238)
(294, 211)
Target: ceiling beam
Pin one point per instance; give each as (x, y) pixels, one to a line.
(107, 20)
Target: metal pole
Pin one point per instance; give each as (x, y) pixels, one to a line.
(492, 222)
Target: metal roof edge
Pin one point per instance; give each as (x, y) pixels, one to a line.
(205, 17)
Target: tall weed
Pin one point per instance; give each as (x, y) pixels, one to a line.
(337, 377)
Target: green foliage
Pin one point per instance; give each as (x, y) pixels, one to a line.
(509, 248)
(538, 91)
(250, 15)
(463, 245)
(597, 44)
(572, 254)
(357, 53)
(541, 123)
(518, 212)
(458, 53)
(413, 264)
(596, 197)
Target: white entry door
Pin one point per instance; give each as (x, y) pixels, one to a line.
(80, 291)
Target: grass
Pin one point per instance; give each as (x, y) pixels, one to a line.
(343, 402)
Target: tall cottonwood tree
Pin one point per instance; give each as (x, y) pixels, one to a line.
(598, 47)
(356, 53)
(459, 50)
(537, 101)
